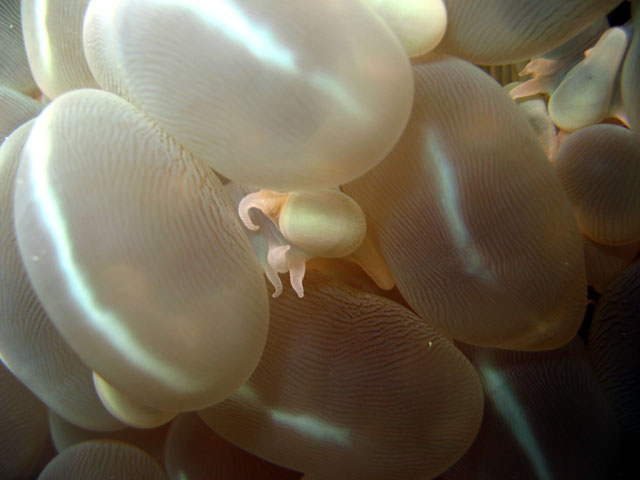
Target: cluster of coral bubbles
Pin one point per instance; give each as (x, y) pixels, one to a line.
(166, 164)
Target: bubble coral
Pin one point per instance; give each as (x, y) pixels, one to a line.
(494, 32)
(305, 102)
(53, 41)
(599, 169)
(135, 252)
(469, 216)
(351, 386)
(256, 88)
(103, 460)
(30, 345)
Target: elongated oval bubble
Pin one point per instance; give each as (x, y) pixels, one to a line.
(353, 386)
(630, 76)
(14, 68)
(151, 440)
(613, 347)
(277, 95)
(418, 24)
(102, 460)
(53, 40)
(195, 452)
(584, 95)
(15, 109)
(605, 263)
(599, 169)
(469, 216)
(30, 345)
(535, 403)
(127, 410)
(137, 255)
(23, 427)
(494, 32)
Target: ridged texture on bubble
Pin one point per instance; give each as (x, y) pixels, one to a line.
(30, 345)
(196, 452)
(23, 428)
(630, 78)
(103, 460)
(584, 95)
(534, 108)
(614, 337)
(494, 32)
(599, 169)
(418, 24)
(53, 40)
(353, 386)
(469, 216)
(151, 440)
(605, 263)
(547, 415)
(137, 255)
(278, 95)
(14, 68)
(15, 109)
(126, 409)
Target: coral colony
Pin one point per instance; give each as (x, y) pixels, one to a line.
(337, 239)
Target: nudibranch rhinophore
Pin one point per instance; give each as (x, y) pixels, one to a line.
(135, 252)
(282, 95)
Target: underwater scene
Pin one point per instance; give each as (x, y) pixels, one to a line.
(319, 239)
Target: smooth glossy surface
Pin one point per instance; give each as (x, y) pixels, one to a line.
(418, 24)
(276, 95)
(136, 254)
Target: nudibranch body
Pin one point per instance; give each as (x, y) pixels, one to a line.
(298, 226)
